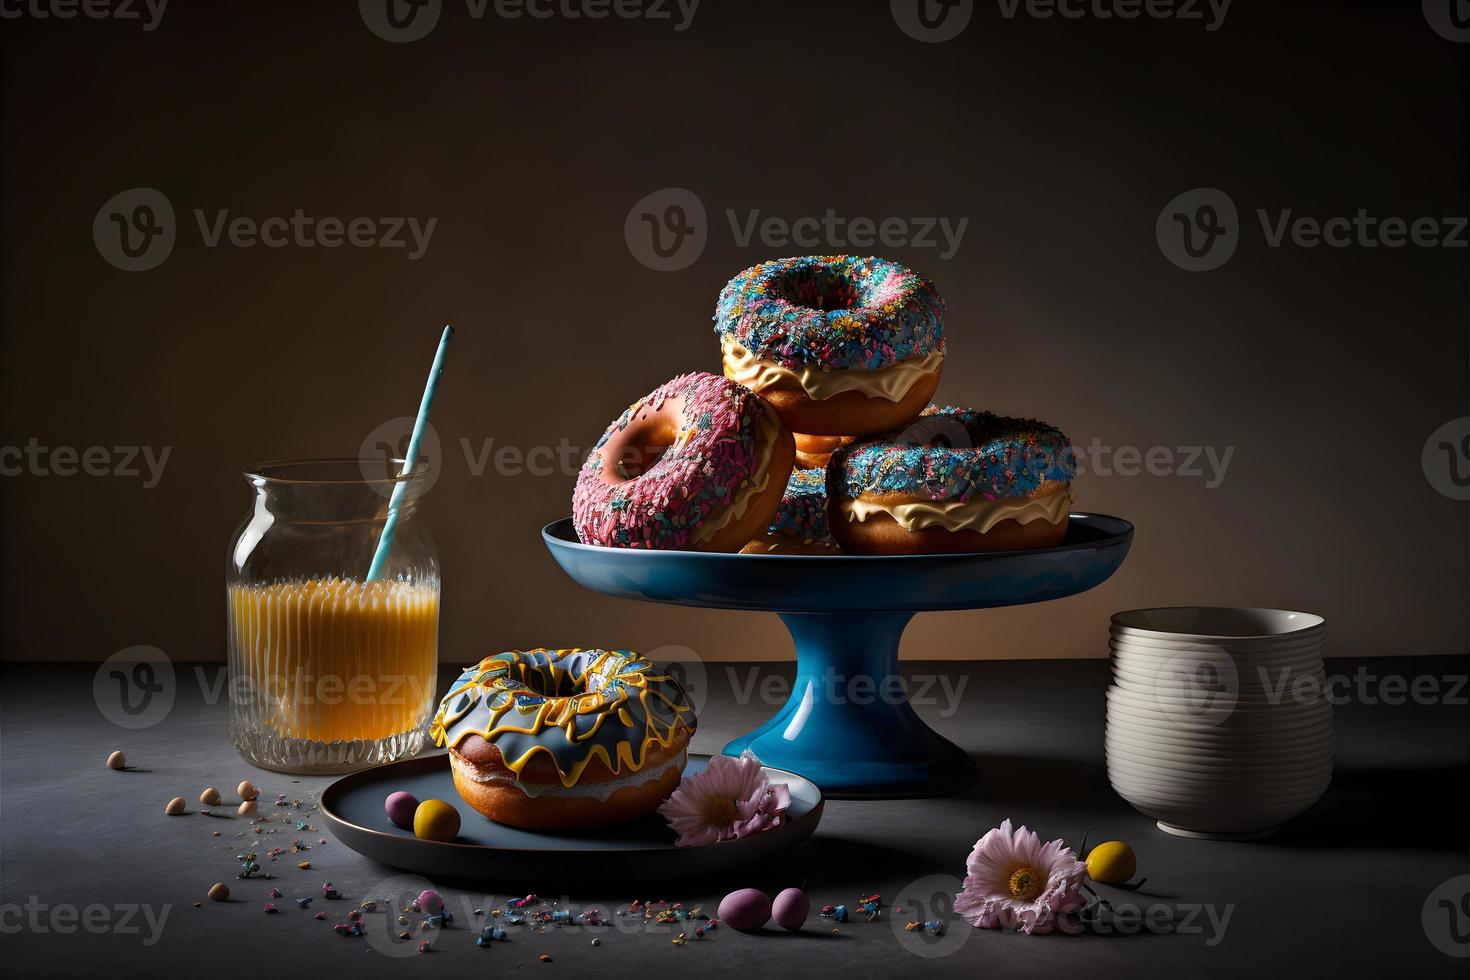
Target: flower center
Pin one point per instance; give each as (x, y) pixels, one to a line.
(722, 813)
(1025, 884)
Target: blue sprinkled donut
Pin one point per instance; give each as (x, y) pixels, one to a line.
(800, 524)
(838, 344)
(953, 480)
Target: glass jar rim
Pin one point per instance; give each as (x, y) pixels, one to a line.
(331, 471)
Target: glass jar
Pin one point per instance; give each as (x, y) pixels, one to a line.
(329, 672)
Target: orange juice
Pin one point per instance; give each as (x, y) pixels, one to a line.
(335, 659)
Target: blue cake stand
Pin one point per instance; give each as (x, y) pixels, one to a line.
(846, 614)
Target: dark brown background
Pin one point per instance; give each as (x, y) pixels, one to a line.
(531, 140)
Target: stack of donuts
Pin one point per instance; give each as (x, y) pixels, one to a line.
(820, 437)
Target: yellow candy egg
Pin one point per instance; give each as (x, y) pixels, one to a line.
(1112, 862)
(436, 820)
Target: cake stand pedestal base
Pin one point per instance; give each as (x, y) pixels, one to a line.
(848, 724)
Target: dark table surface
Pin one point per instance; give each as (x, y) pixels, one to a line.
(94, 879)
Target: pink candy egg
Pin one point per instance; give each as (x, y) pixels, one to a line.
(791, 908)
(747, 909)
(400, 808)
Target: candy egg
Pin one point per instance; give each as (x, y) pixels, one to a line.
(400, 808)
(117, 761)
(430, 902)
(175, 806)
(747, 909)
(791, 908)
(247, 790)
(1111, 863)
(436, 820)
(219, 892)
(246, 808)
(210, 797)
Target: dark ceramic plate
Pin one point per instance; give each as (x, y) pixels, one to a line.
(522, 860)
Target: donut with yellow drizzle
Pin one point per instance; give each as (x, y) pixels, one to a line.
(564, 739)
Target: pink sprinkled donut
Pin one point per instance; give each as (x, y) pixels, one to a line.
(698, 464)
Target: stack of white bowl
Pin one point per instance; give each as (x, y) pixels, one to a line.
(1219, 721)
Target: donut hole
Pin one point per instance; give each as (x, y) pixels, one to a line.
(643, 446)
(817, 289)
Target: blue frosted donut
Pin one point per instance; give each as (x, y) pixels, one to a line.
(954, 480)
(800, 524)
(955, 454)
(834, 311)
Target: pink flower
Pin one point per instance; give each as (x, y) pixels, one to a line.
(1014, 881)
(729, 800)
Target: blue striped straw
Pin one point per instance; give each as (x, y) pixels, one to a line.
(411, 458)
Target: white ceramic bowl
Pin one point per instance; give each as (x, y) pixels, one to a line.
(1175, 756)
(1152, 723)
(1253, 647)
(1238, 794)
(1222, 710)
(1294, 767)
(1291, 687)
(1216, 624)
(1146, 741)
(1218, 823)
